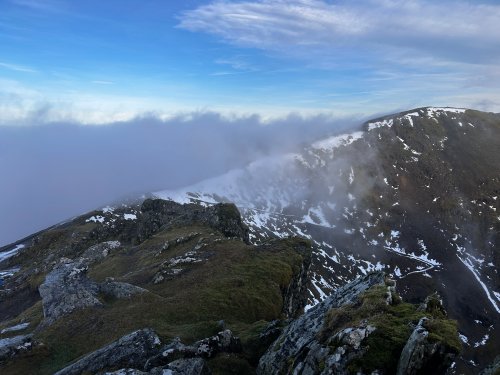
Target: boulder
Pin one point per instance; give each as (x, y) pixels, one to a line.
(66, 288)
(130, 351)
(9, 347)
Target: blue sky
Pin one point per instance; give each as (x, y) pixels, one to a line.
(102, 61)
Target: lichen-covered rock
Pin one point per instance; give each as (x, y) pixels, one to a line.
(66, 288)
(9, 347)
(100, 251)
(300, 337)
(130, 351)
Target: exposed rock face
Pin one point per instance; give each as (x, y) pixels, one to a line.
(157, 213)
(66, 289)
(421, 356)
(9, 347)
(362, 328)
(131, 351)
(299, 342)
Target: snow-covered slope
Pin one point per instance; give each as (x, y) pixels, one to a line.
(416, 194)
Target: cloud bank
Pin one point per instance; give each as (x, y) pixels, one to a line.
(52, 172)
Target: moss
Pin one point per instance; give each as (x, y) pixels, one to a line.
(444, 331)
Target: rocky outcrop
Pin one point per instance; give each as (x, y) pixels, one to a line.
(421, 355)
(130, 351)
(100, 251)
(209, 347)
(140, 352)
(298, 344)
(158, 213)
(9, 347)
(362, 328)
(67, 288)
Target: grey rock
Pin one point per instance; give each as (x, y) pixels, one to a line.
(126, 371)
(100, 251)
(224, 341)
(130, 351)
(120, 290)
(66, 288)
(300, 337)
(159, 213)
(187, 366)
(421, 356)
(9, 347)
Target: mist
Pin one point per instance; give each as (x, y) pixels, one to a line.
(52, 172)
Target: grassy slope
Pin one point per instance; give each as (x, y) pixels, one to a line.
(235, 282)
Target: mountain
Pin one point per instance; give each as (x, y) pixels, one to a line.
(165, 288)
(416, 194)
(325, 233)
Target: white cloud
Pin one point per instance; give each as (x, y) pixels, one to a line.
(458, 31)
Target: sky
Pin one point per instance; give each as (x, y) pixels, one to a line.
(100, 100)
(99, 62)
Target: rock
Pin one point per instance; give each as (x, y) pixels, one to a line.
(159, 213)
(9, 347)
(126, 371)
(130, 351)
(299, 340)
(100, 251)
(120, 290)
(422, 356)
(224, 341)
(66, 289)
(187, 366)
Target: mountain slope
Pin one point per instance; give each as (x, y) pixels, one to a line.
(416, 194)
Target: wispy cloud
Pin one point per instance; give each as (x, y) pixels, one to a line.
(17, 68)
(458, 31)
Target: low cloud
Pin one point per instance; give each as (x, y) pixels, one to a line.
(51, 172)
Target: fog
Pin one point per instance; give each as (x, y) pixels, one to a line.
(51, 172)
